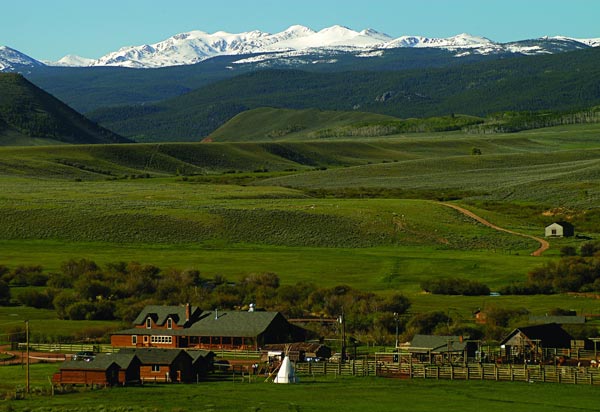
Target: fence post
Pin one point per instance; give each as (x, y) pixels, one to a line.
(496, 372)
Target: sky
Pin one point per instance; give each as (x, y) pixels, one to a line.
(51, 29)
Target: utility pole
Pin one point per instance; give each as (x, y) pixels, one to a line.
(342, 320)
(396, 319)
(27, 356)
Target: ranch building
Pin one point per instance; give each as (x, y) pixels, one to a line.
(441, 349)
(189, 327)
(104, 370)
(163, 365)
(560, 229)
(527, 343)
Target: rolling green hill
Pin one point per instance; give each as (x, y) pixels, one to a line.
(287, 124)
(30, 116)
(557, 82)
(554, 167)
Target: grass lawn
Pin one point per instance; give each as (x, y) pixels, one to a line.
(312, 394)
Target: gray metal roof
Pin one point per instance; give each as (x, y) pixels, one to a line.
(433, 343)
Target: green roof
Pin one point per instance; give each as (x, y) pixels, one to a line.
(160, 314)
(155, 355)
(232, 323)
(101, 362)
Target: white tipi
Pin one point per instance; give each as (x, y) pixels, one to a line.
(286, 372)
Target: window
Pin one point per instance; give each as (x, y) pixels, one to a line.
(169, 323)
(134, 339)
(148, 323)
(145, 339)
(155, 368)
(161, 339)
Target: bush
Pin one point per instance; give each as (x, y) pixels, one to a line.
(455, 286)
(4, 293)
(35, 299)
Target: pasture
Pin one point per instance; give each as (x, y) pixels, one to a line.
(231, 209)
(312, 394)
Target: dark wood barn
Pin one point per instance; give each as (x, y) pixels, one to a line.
(526, 343)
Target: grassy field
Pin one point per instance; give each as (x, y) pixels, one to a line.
(311, 394)
(215, 208)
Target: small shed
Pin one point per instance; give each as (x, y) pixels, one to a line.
(103, 370)
(559, 229)
(163, 365)
(202, 362)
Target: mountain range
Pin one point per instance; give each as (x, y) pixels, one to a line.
(294, 43)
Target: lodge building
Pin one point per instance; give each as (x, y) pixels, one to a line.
(190, 327)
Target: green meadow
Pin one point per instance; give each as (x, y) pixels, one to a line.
(311, 394)
(360, 212)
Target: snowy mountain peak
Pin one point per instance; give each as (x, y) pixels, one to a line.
(297, 40)
(13, 60)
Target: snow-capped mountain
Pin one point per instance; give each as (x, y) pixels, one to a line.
(13, 60)
(293, 45)
(71, 60)
(196, 46)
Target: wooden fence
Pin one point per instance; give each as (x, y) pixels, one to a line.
(68, 347)
(515, 373)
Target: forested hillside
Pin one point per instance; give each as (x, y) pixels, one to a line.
(556, 82)
(29, 115)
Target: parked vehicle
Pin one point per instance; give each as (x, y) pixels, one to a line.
(84, 356)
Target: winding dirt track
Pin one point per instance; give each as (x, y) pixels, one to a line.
(544, 245)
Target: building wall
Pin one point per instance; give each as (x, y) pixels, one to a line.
(162, 375)
(554, 230)
(143, 341)
(87, 377)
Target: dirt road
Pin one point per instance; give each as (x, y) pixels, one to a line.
(544, 245)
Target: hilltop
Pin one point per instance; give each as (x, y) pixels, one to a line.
(30, 116)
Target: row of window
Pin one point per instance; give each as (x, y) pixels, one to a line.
(149, 323)
(153, 339)
(161, 339)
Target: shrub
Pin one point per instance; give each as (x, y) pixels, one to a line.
(35, 299)
(4, 293)
(455, 286)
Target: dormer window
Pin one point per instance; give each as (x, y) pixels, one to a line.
(148, 323)
(169, 323)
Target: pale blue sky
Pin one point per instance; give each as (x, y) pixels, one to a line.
(50, 29)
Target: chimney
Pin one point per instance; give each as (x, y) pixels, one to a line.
(187, 312)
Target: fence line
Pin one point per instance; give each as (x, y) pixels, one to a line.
(515, 373)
